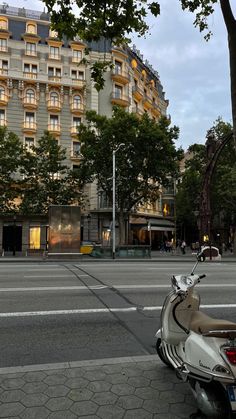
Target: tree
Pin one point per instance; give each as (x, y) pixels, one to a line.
(114, 19)
(10, 158)
(145, 161)
(188, 193)
(47, 180)
(222, 193)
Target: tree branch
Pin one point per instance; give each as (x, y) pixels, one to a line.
(228, 16)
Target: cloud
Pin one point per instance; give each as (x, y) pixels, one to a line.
(194, 73)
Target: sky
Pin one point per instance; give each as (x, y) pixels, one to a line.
(194, 73)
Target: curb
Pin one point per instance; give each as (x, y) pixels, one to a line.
(77, 364)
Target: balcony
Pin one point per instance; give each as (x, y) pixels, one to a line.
(137, 92)
(54, 79)
(76, 59)
(54, 128)
(30, 127)
(3, 48)
(147, 101)
(75, 155)
(77, 108)
(3, 73)
(137, 110)
(54, 57)
(79, 83)
(30, 102)
(119, 99)
(120, 76)
(74, 130)
(3, 99)
(30, 75)
(31, 53)
(54, 105)
(156, 110)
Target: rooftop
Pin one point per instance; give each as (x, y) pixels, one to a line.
(22, 12)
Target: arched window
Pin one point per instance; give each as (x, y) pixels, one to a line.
(30, 95)
(3, 23)
(54, 98)
(31, 28)
(2, 92)
(77, 101)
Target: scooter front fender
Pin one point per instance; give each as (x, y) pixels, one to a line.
(158, 334)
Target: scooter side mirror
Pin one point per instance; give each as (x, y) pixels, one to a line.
(201, 256)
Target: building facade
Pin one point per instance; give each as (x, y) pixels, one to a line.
(44, 86)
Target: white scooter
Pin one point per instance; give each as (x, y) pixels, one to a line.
(202, 350)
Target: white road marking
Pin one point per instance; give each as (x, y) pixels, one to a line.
(66, 312)
(98, 310)
(55, 275)
(94, 287)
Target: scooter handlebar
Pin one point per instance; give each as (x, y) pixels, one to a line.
(202, 276)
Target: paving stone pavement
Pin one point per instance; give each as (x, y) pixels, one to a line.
(121, 388)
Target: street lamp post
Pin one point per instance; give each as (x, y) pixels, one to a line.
(114, 200)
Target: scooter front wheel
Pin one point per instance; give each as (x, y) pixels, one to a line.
(161, 354)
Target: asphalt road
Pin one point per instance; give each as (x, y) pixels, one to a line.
(55, 312)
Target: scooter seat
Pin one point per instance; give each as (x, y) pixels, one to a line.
(203, 324)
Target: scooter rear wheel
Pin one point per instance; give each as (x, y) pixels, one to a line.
(161, 354)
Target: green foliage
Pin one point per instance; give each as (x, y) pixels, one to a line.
(10, 156)
(111, 20)
(188, 194)
(46, 178)
(146, 159)
(203, 9)
(223, 191)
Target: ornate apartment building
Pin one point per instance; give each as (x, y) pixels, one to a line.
(43, 86)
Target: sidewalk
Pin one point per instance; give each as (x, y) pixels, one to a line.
(128, 388)
(156, 256)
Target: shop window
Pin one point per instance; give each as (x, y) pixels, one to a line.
(34, 237)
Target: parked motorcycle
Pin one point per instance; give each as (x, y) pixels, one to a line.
(202, 350)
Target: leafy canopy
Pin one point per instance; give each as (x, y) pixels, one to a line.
(145, 160)
(10, 157)
(47, 180)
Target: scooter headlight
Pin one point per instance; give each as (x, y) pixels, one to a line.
(231, 355)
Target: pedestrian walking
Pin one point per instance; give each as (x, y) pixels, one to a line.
(183, 246)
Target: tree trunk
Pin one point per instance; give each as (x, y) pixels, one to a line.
(230, 23)
(121, 227)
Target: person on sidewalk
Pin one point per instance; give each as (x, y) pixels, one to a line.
(183, 246)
